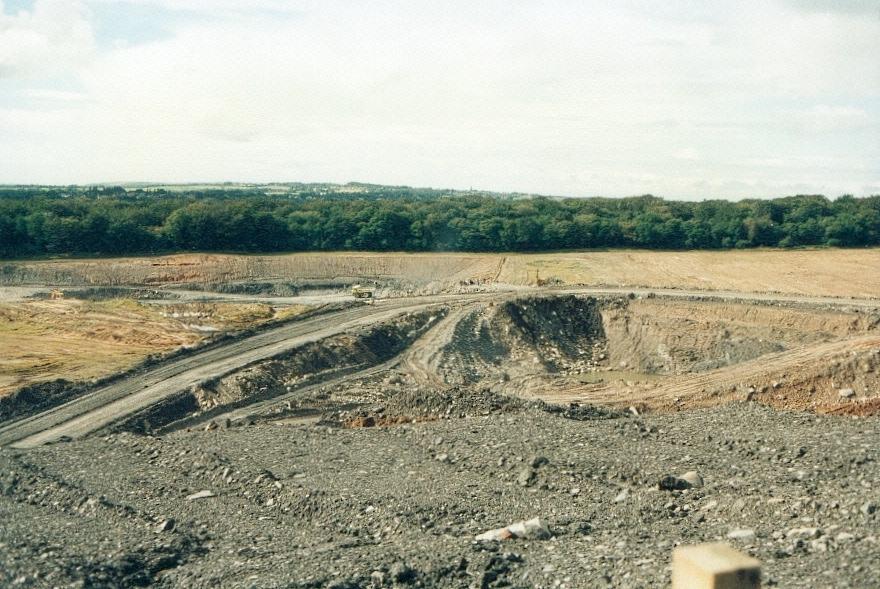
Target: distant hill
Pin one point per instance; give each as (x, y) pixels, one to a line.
(241, 189)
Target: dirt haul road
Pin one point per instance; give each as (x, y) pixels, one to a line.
(108, 404)
(129, 395)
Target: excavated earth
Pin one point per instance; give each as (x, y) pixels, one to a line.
(373, 458)
(648, 354)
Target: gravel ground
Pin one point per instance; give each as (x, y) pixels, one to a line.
(325, 506)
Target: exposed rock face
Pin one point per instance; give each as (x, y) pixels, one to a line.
(521, 338)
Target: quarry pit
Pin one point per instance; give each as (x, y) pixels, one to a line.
(636, 354)
(317, 441)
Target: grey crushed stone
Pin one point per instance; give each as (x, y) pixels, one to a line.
(318, 506)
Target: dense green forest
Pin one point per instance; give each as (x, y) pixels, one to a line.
(39, 221)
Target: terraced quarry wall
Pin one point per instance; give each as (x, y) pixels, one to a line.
(657, 336)
(652, 353)
(647, 337)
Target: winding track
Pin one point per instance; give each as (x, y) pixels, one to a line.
(97, 409)
(420, 360)
(111, 403)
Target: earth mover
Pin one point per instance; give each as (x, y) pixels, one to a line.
(361, 292)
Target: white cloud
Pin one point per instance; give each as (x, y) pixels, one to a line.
(827, 118)
(54, 95)
(563, 97)
(857, 7)
(219, 7)
(54, 36)
(688, 154)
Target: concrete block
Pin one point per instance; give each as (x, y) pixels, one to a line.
(714, 566)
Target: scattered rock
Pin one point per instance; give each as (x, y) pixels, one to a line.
(539, 461)
(846, 393)
(200, 495)
(803, 533)
(744, 534)
(166, 526)
(819, 545)
(497, 534)
(692, 478)
(363, 421)
(526, 477)
(826, 522)
(672, 483)
(402, 573)
(533, 529)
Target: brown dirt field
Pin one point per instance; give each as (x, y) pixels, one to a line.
(819, 272)
(214, 268)
(80, 340)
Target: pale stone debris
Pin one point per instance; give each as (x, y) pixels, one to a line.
(714, 566)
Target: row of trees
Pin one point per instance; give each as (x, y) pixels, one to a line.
(37, 223)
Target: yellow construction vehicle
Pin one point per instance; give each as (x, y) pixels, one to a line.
(552, 281)
(361, 292)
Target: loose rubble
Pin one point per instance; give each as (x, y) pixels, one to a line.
(533, 529)
(321, 505)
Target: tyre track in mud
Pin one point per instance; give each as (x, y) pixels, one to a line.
(421, 359)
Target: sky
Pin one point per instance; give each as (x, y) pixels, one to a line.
(679, 98)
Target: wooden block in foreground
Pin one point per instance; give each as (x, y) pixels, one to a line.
(714, 566)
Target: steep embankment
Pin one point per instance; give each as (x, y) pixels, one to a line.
(513, 340)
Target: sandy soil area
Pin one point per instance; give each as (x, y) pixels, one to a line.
(821, 272)
(80, 340)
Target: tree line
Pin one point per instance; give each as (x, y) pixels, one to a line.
(39, 222)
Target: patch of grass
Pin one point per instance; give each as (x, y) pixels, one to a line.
(290, 312)
(77, 340)
(242, 315)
